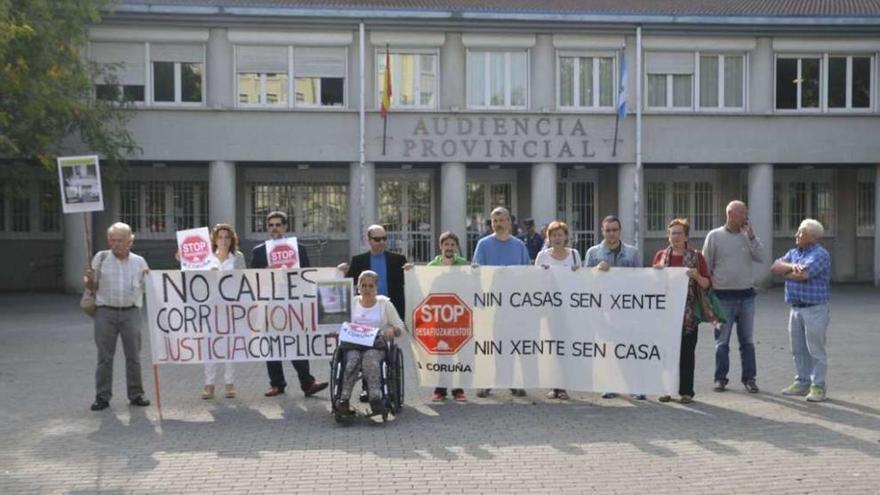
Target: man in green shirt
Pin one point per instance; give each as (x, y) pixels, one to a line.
(448, 257)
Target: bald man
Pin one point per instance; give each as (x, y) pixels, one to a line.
(388, 265)
(730, 251)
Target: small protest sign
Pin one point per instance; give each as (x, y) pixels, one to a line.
(282, 253)
(334, 302)
(194, 246)
(354, 333)
(80, 181)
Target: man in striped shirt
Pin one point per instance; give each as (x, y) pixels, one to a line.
(118, 275)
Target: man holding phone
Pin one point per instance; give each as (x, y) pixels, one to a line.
(729, 251)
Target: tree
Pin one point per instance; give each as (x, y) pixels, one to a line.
(46, 83)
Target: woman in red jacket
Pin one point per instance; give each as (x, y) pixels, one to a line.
(679, 254)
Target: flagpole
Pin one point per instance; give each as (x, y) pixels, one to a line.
(616, 123)
(386, 86)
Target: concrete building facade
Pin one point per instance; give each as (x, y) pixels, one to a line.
(243, 109)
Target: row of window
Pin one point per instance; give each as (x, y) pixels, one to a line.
(159, 208)
(299, 76)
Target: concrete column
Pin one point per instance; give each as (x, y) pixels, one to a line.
(845, 237)
(361, 207)
(877, 225)
(761, 217)
(221, 193)
(453, 60)
(453, 200)
(626, 180)
(542, 62)
(75, 256)
(543, 193)
(220, 77)
(761, 89)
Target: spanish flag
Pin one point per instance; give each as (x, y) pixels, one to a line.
(386, 89)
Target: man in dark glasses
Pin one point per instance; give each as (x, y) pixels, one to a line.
(388, 265)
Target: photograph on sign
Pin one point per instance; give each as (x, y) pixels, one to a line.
(80, 181)
(282, 253)
(334, 301)
(194, 249)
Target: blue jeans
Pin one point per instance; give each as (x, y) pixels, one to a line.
(807, 328)
(739, 310)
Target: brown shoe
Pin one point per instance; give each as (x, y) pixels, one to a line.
(273, 391)
(208, 392)
(230, 391)
(314, 388)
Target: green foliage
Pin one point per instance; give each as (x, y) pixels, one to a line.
(46, 83)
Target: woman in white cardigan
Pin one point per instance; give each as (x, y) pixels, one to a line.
(224, 242)
(375, 311)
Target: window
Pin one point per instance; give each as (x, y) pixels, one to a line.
(413, 79)
(319, 76)
(721, 81)
(122, 70)
(497, 79)
(865, 207)
(796, 198)
(405, 212)
(804, 83)
(482, 198)
(679, 197)
(32, 207)
(576, 206)
(586, 81)
(849, 82)
(670, 80)
(262, 75)
(177, 73)
(797, 82)
(159, 209)
(311, 207)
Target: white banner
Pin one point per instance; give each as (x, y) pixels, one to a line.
(526, 327)
(236, 315)
(194, 249)
(354, 333)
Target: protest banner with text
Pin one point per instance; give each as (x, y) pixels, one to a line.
(528, 327)
(236, 315)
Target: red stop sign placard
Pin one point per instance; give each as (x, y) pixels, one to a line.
(283, 256)
(443, 324)
(194, 249)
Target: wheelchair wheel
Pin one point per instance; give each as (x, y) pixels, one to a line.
(398, 389)
(336, 370)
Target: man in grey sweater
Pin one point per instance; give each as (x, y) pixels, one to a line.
(729, 251)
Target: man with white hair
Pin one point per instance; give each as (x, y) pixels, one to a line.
(501, 249)
(807, 272)
(117, 277)
(729, 251)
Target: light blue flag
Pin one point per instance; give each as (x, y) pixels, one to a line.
(621, 88)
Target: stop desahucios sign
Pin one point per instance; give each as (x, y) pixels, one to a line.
(443, 324)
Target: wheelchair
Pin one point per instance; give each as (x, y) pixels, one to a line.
(391, 383)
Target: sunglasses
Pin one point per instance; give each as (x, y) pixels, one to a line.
(379, 239)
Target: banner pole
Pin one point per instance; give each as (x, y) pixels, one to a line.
(88, 239)
(158, 395)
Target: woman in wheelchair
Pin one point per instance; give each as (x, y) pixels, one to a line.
(375, 311)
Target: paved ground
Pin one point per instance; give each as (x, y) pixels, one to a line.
(733, 442)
